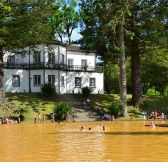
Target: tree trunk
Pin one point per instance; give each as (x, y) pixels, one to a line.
(2, 92)
(123, 89)
(135, 73)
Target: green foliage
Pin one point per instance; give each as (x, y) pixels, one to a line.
(62, 110)
(65, 19)
(155, 69)
(21, 111)
(111, 74)
(115, 108)
(48, 90)
(152, 92)
(86, 91)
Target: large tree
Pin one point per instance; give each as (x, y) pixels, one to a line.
(23, 23)
(103, 30)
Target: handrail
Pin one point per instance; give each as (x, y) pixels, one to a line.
(47, 65)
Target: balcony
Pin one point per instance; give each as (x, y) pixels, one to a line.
(42, 65)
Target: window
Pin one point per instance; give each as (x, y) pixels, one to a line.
(11, 59)
(70, 63)
(62, 81)
(83, 64)
(37, 80)
(16, 81)
(77, 82)
(92, 82)
(51, 58)
(51, 79)
(61, 59)
(36, 57)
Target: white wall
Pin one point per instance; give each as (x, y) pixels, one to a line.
(84, 81)
(24, 84)
(56, 74)
(36, 72)
(78, 56)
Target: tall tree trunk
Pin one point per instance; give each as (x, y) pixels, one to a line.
(135, 73)
(123, 89)
(2, 92)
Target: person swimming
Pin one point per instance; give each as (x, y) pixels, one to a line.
(81, 128)
(90, 128)
(152, 124)
(103, 128)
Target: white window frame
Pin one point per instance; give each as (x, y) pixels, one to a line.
(37, 57)
(11, 59)
(15, 80)
(70, 62)
(62, 81)
(78, 83)
(92, 82)
(62, 58)
(37, 80)
(51, 79)
(51, 57)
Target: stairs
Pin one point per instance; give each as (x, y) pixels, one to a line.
(82, 112)
(85, 114)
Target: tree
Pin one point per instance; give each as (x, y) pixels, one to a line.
(23, 23)
(145, 25)
(4, 10)
(155, 69)
(107, 22)
(148, 28)
(65, 19)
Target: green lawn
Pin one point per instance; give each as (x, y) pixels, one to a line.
(35, 103)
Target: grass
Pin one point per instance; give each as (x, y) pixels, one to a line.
(35, 103)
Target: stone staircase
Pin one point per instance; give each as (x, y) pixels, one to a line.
(82, 111)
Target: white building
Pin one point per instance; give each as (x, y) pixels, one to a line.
(67, 68)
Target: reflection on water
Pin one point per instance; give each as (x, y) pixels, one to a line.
(121, 141)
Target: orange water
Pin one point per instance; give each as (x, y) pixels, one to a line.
(121, 142)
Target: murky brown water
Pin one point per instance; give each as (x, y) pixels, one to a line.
(121, 142)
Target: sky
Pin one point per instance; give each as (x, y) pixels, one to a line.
(75, 34)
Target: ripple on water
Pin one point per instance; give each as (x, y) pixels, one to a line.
(122, 141)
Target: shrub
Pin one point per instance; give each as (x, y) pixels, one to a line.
(152, 92)
(21, 112)
(115, 108)
(86, 91)
(62, 110)
(48, 90)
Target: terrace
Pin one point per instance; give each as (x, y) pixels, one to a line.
(53, 66)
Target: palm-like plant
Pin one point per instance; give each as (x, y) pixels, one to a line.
(62, 110)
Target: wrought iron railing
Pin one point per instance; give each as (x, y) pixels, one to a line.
(45, 65)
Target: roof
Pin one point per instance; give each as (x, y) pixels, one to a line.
(77, 49)
(55, 42)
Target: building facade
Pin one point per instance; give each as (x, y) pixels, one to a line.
(68, 69)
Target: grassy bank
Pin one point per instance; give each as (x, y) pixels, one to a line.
(35, 103)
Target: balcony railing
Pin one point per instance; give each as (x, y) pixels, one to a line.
(53, 66)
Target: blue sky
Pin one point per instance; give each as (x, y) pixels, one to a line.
(75, 34)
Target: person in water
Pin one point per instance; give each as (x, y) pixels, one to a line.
(152, 124)
(103, 128)
(90, 128)
(81, 129)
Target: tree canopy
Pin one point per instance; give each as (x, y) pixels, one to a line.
(65, 19)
